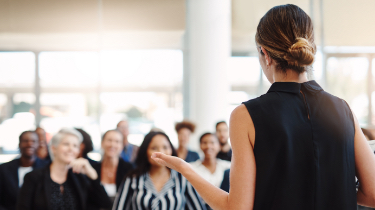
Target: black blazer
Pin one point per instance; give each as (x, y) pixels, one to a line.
(9, 183)
(122, 169)
(35, 192)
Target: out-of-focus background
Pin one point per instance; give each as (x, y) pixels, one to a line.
(92, 63)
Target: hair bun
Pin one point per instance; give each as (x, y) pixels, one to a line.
(301, 53)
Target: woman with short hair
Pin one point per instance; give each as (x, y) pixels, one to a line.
(297, 146)
(112, 169)
(67, 183)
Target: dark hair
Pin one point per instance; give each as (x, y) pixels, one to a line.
(143, 166)
(86, 141)
(286, 33)
(368, 133)
(24, 133)
(185, 124)
(115, 130)
(218, 123)
(204, 135)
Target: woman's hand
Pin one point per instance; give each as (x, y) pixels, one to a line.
(171, 162)
(82, 166)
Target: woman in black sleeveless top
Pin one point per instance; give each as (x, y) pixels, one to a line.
(297, 146)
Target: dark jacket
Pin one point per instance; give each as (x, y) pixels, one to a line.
(35, 192)
(122, 169)
(9, 183)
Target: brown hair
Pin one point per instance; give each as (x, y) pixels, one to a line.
(286, 33)
(185, 124)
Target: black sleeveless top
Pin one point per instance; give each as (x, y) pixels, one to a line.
(304, 149)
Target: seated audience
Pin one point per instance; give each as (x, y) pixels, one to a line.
(184, 130)
(42, 151)
(210, 168)
(152, 186)
(222, 133)
(67, 183)
(86, 146)
(112, 169)
(130, 150)
(12, 173)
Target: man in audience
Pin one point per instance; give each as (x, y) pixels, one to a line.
(222, 133)
(130, 151)
(42, 151)
(13, 172)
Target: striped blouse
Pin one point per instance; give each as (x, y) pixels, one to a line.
(138, 193)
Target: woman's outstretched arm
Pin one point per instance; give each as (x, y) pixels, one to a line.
(365, 168)
(242, 172)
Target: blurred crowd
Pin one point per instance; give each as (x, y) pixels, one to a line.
(62, 176)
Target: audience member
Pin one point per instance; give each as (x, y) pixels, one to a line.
(211, 168)
(112, 169)
(130, 150)
(58, 187)
(184, 130)
(152, 186)
(86, 146)
(222, 132)
(12, 173)
(42, 151)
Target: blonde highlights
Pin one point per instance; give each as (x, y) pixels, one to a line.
(286, 33)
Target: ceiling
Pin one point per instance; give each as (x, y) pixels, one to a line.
(137, 24)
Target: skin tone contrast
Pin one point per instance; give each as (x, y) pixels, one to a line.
(243, 167)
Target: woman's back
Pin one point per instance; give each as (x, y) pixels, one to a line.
(304, 148)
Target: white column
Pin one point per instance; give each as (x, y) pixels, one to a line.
(207, 49)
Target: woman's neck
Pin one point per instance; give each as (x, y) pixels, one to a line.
(182, 148)
(159, 171)
(209, 161)
(59, 171)
(110, 161)
(289, 76)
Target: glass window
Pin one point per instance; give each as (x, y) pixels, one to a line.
(141, 68)
(69, 69)
(17, 69)
(347, 79)
(78, 110)
(143, 110)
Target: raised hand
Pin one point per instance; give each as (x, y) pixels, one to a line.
(82, 166)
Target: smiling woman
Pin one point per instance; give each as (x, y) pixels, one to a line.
(66, 182)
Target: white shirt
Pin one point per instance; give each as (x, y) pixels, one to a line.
(22, 171)
(215, 178)
(110, 189)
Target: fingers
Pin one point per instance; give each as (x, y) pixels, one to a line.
(78, 166)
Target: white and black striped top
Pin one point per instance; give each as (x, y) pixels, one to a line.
(139, 193)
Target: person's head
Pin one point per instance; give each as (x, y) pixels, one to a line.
(153, 142)
(28, 144)
(285, 41)
(86, 145)
(41, 133)
(65, 145)
(112, 143)
(123, 127)
(222, 132)
(184, 129)
(209, 145)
